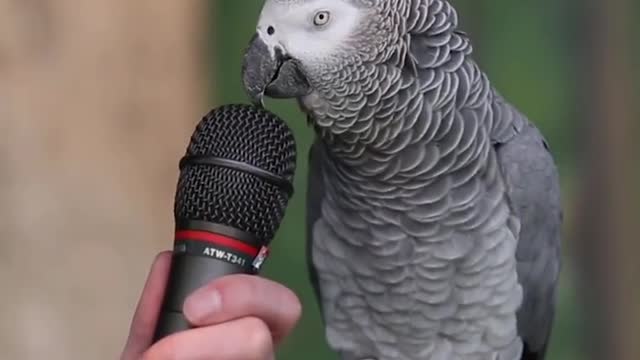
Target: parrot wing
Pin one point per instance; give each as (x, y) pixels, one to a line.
(315, 193)
(534, 193)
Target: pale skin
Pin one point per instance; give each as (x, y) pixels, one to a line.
(237, 317)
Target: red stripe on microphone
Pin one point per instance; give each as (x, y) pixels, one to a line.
(217, 239)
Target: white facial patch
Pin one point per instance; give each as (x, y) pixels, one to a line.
(302, 29)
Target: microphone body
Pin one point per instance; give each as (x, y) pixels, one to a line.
(235, 182)
(203, 252)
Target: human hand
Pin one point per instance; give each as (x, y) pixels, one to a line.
(236, 317)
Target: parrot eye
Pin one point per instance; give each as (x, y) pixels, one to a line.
(321, 18)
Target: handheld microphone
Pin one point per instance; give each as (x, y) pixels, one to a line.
(234, 186)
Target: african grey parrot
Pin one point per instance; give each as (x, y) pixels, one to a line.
(434, 212)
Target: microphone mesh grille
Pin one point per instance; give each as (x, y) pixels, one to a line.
(232, 197)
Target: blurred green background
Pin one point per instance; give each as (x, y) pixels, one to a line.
(530, 53)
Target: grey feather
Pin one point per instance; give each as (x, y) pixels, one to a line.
(314, 200)
(533, 189)
(433, 206)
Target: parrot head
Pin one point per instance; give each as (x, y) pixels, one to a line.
(300, 44)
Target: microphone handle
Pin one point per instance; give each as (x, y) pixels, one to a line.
(189, 273)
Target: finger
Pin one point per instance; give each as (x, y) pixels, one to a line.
(237, 296)
(146, 314)
(243, 339)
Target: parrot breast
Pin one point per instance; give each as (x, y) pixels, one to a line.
(415, 246)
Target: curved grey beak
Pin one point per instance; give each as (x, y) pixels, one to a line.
(276, 75)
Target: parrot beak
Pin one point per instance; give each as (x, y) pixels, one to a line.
(269, 71)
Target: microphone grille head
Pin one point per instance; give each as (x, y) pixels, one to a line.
(227, 195)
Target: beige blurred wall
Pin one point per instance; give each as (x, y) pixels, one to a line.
(97, 101)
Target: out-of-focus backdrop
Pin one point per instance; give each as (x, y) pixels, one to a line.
(98, 99)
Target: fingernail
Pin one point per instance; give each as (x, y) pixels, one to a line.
(202, 304)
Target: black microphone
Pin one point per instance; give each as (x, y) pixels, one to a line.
(234, 186)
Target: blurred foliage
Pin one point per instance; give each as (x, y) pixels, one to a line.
(528, 51)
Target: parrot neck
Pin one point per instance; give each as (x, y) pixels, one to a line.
(411, 109)
(412, 125)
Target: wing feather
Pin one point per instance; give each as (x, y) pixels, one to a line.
(534, 192)
(315, 194)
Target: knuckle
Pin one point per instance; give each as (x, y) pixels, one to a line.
(258, 340)
(172, 347)
(166, 349)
